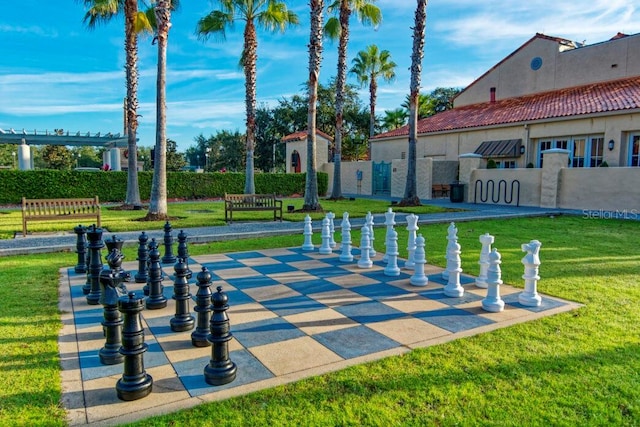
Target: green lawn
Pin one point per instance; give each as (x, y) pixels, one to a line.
(576, 368)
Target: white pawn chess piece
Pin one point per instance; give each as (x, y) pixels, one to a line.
(369, 223)
(452, 239)
(419, 278)
(346, 255)
(492, 302)
(486, 240)
(365, 248)
(308, 232)
(392, 269)
(325, 247)
(389, 221)
(412, 228)
(332, 229)
(453, 287)
(530, 297)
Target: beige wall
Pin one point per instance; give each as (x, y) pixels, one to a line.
(600, 188)
(424, 169)
(349, 183)
(322, 153)
(529, 179)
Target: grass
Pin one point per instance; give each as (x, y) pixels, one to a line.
(198, 214)
(576, 368)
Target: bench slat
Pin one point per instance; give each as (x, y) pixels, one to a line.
(48, 209)
(251, 202)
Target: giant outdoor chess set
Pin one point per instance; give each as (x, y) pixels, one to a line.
(292, 313)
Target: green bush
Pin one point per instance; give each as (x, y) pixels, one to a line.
(491, 164)
(112, 186)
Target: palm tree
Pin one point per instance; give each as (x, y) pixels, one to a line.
(269, 14)
(393, 119)
(411, 192)
(311, 202)
(369, 65)
(426, 105)
(101, 11)
(338, 28)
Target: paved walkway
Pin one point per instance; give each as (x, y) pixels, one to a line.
(42, 243)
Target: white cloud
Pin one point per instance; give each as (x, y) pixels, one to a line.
(34, 30)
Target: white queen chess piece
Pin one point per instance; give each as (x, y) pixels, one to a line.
(486, 240)
(389, 221)
(530, 297)
(492, 302)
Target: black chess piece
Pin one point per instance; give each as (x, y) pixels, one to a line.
(86, 288)
(111, 290)
(81, 248)
(135, 382)
(183, 320)
(143, 257)
(183, 251)
(156, 298)
(94, 234)
(203, 308)
(169, 257)
(112, 243)
(220, 370)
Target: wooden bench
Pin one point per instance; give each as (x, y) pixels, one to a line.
(251, 202)
(440, 190)
(52, 209)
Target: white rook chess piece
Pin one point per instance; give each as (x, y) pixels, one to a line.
(452, 240)
(486, 240)
(332, 229)
(369, 223)
(419, 278)
(529, 297)
(346, 255)
(365, 249)
(325, 248)
(493, 302)
(389, 221)
(412, 228)
(308, 232)
(392, 269)
(453, 287)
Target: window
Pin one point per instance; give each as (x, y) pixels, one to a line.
(584, 151)
(577, 160)
(634, 150)
(595, 159)
(403, 155)
(506, 164)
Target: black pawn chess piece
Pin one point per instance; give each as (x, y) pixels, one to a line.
(168, 257)
(220, 370)
(135, 382)
(116, 243)
(94, 234)
(81, 248)
(183, 251)
(203, 308)
(183, 320)
(143, 257)
(111, 290)
(156, 298)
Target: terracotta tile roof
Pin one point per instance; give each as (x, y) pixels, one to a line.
(593, 98)
(302, 135)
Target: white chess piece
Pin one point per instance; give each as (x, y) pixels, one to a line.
(308, 232)
(369, 223)
(419, 278)
(493, 303)
(452, 239)
(412, 228)
(530, 297)
(365, 247)
(486, 240)
(389, 221)
(332, 229)
(346, 255)
(453, 287)
(325, 248)
(392, 269)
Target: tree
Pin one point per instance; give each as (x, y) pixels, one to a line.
(311, 202)
(57, 157)
(338, 28)
(135, 22)
(269, 14)
(443, 97)
(426, 105)
(393, 119)
(411, 192)
(175, 160)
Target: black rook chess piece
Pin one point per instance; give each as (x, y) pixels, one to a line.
(220, 370)
(81, 248)
(203, 308)
(156, 297)
(168, 257)
(94, 234)
(143, 258)
(183, 320)
(135, 382)
(110, 291)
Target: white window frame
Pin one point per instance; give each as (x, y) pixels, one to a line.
(633, 160)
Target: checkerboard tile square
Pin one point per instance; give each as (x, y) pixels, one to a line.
(265, 331)
(453, 319)
(355, 342)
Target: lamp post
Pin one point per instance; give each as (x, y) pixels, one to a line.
(14, 159)
(206, 160)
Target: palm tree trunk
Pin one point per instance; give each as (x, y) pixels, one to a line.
(311, 202)
(131, 49)
(158, 203)
(373, 96)
(411, 192)
(250, 58)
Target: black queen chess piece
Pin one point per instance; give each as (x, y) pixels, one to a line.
(169, 257)
(81, 248)
(111, 289)
(143, 258)
(203, 308)
(220, 370)
(94, 235)
(183, 320)
(135, 382)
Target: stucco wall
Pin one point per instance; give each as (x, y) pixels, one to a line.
(530, 182)
(322, 153)
(349, 183)
(600, 188)
(444, 171)
(423, 178)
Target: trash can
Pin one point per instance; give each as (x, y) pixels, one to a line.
(456, 193)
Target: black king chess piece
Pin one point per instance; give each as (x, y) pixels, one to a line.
(156, 298)
(220, 370)
(183, 320)
(143, 257)
(81, 248)
(135, 382)
(169, 257)
(203, 308)
(111, 290)
(94, 234)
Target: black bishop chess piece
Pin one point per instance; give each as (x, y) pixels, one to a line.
(169, 257)
(143, 258)
(183, 320)
(203, 308)
(81, 248)
(156, 298)
(111, 289)
(135, 382)
(94, 234)
(220, 370)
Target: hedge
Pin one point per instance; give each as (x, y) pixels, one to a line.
(112, 186)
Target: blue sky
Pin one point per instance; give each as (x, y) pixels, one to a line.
(54, 73)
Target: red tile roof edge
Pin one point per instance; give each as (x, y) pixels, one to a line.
(302, 135)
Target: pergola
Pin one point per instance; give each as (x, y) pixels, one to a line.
(23, 139)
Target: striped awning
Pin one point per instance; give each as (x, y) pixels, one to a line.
(500, 149)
